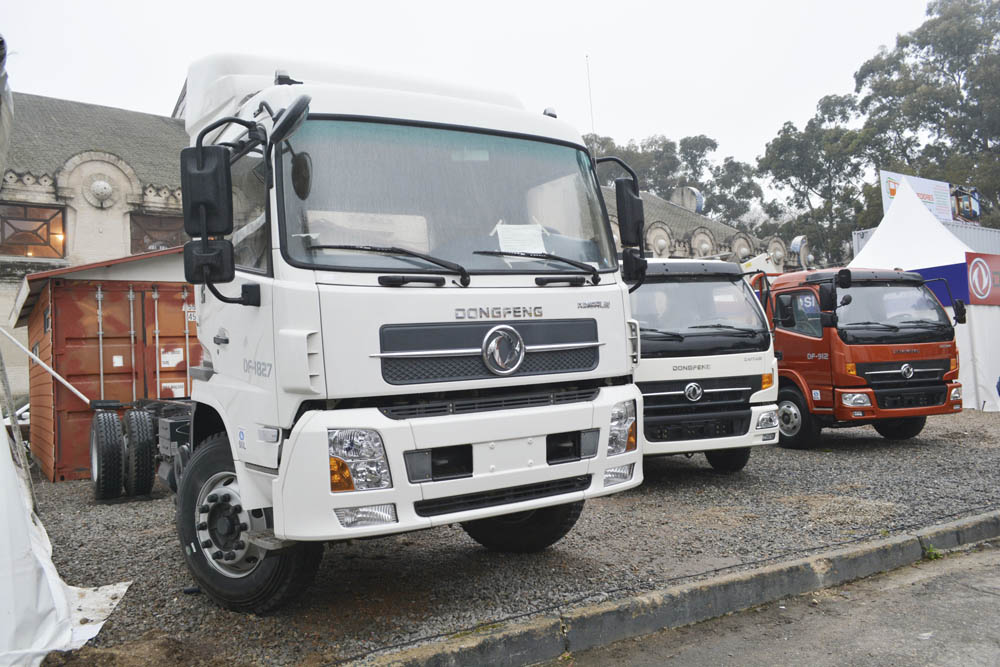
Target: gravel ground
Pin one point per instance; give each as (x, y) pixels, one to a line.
(684, 521)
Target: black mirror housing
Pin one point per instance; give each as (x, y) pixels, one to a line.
(828, 320)
(631, 218)
(827, 297)
(783, 314)
(633, 265)
(206, 189)
(959, 307)
(214, 254)
(844, 279)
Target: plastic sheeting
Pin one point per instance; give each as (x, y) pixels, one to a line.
(911, 238)
(38, 611)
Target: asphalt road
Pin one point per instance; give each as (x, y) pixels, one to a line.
(942, 612)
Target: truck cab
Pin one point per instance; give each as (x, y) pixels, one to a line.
(862, 346)
(707, 369)
(412, 315)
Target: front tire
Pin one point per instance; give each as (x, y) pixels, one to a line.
(797, 427)
(140, 445)
(106, 448)
(525, 532)
(728, 460)
(903, 428)
(211, 525)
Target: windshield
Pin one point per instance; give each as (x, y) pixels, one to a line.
(695, 307)
(446, 194)
(903, 306)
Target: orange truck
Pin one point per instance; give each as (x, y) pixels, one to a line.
(861, 346)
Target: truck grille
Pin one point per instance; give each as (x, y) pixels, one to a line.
(451, 351)
(699, 425)
(664, 397)
(514, 494)
(911, 397)
(886, 374)
(507, 400)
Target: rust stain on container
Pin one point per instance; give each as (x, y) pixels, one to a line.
(67, 333)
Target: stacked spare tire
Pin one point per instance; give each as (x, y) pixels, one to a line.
(122, 453)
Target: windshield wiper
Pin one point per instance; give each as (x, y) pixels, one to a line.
(673, 335)
(595, 276)
(392, 250)
(884, 325)
(742, 330)
(933, 323)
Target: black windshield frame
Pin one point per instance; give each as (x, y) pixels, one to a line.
(280, 196)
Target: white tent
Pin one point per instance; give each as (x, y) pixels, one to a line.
(38, 612)
(911, 238)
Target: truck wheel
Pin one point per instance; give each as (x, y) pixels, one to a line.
(728, 460)
(106, 448)
(140, 446)
(525, 532)
(797, 427)
(900, 429)
(212, 525)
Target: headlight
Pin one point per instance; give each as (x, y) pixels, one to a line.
(622, 437)
(855, 400)
(357, 460)
(767, 419)
(956, 393)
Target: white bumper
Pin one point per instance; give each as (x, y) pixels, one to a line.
(751, 438)
(508, 450)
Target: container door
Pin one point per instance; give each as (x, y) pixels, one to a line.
(171, 342)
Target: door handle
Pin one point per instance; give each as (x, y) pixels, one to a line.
(219, 339)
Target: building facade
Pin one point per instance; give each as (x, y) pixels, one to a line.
(82, 183)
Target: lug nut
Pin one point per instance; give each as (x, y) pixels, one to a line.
(243, 526)
(213, 498)
(237, 509)
(217, 555)
(230, 555)
(225, 497)
(202, 526)
(240, 545)
(206, 543)
(204, 509)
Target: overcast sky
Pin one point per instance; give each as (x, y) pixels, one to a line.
(730, 69)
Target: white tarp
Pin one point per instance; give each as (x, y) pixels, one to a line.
(38, 611)
(911, 238)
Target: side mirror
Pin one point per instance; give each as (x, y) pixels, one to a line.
(631, 218)
(206, 191)
(844, 279)
(828, 320)
(783, 314)
(959, 307)
(210, 261)
(827, 297)
(846, 301)
(290, 119)
(633, 265)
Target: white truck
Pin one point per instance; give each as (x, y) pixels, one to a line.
(426, 324)
(708, 373)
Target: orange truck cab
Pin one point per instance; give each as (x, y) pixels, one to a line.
(861, 346)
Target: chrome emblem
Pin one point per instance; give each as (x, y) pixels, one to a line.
(693, 391)
(906, 370)
(503, 350)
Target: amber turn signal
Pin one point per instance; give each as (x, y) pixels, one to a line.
(852, 368)
(954, 364)
(766, 380)
(340, 475)
(633, 438)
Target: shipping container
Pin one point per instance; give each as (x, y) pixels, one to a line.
(119, 330)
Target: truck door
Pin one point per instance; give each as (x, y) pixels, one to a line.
(241, 338)
(805, 347)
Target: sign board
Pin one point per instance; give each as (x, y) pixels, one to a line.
(984, 278)
(936, 195)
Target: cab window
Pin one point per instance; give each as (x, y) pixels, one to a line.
(805, 314)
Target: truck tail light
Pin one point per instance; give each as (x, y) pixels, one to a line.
(851, 368)
(766, 380)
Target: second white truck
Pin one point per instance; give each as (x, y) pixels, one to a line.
(707, 370)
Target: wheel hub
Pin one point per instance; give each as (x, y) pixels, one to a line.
(789, 418)
(221, 524)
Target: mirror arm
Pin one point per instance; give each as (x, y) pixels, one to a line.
(254, 130)
(621, 163)
(249, 296)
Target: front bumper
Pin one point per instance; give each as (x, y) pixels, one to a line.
(509, 464)
(908, 401)
(751, 438)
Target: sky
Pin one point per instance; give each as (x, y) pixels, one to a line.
(733, 70)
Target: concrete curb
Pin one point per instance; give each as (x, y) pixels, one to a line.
(550, 635)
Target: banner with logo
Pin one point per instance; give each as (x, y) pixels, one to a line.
(984, 279)
(936, 195)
